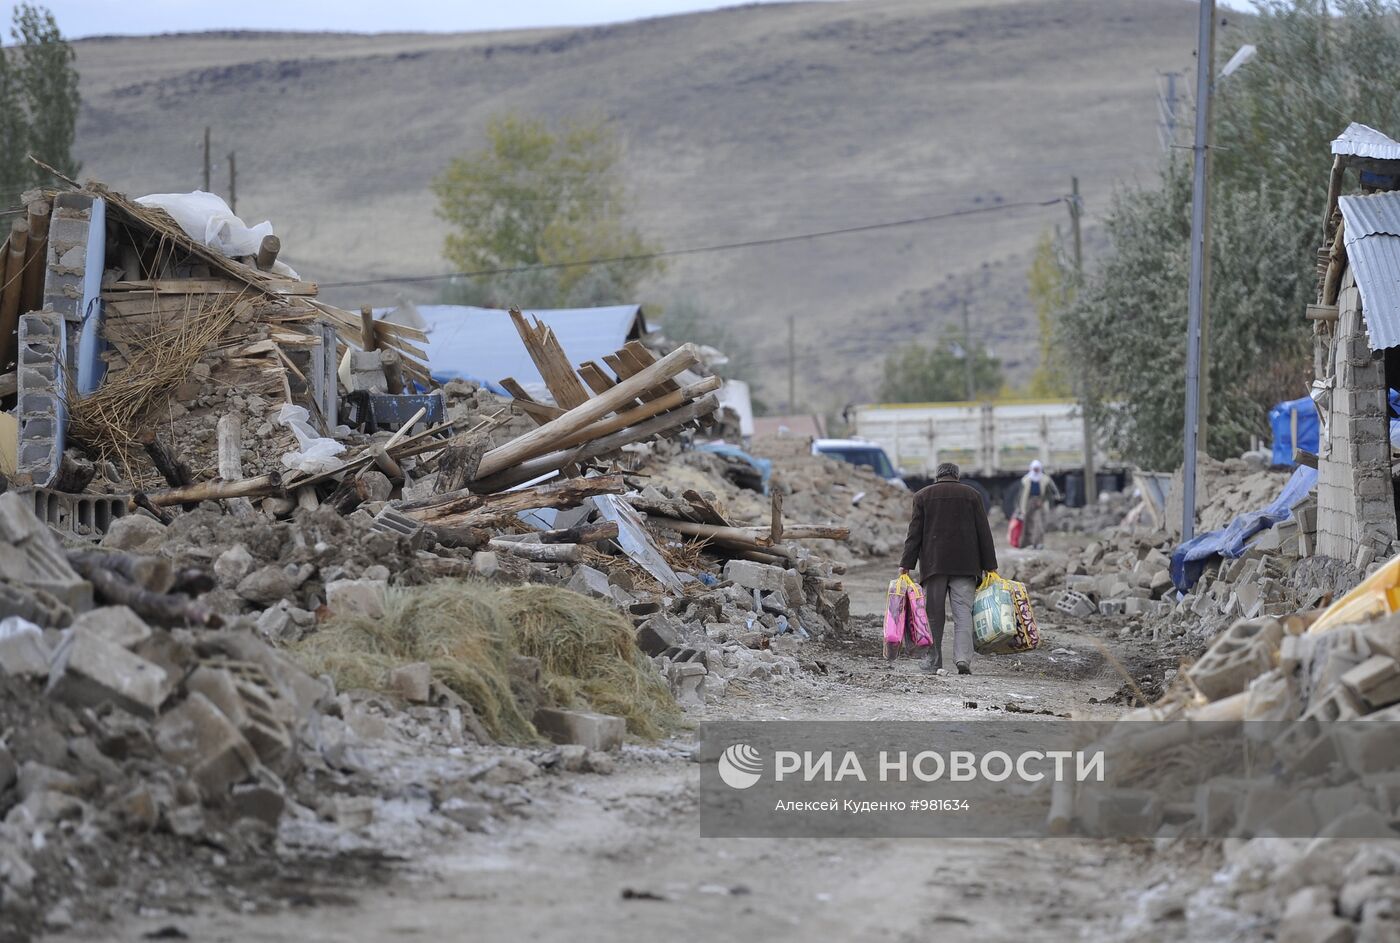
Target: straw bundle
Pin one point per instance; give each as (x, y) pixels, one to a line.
(110, 419)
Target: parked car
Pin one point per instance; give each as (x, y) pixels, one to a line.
(860, 452)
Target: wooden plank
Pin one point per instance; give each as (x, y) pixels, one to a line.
(593, 375)
(399, 330)
(540, 412)
(1323, 313)
(584, 415)
(625, 371)
(550, 360)
(643, 357)
(211, 286)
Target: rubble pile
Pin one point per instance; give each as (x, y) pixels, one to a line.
(1321, 696)
(212, 539)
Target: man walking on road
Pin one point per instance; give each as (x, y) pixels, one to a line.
(951, 541)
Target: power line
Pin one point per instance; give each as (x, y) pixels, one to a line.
(696, 250)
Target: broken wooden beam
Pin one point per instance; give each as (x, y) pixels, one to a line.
(537, 553)
(554, 461)
(175, 472)
(267, 252)
(464, 509)
(264, 486)
(583, 415)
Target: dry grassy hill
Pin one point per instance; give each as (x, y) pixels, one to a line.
(739, 124)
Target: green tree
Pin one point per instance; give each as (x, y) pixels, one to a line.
(938, 373)
(535, 197)
(38, 102)
(1315, 71)
(1051, 288)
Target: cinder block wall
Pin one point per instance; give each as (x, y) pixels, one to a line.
(1355, 504)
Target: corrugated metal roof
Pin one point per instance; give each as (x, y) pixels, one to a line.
(1372, 238)
(1359, 140)
(482, 344)
(1370, 214)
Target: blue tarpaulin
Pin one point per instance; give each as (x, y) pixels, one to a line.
(1189, 559)
(1281, 421)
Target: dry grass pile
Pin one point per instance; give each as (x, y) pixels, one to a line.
(469, 632)
(110, 419)
(453, 626)
(589, 655)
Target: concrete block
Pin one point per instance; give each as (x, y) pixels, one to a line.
(1118, 813)
(23, 651)
(752, 575)
(590, 582)
(658, 633)
(413, 682)
(390, 521)
(31, 556)
(199, 737)
(221, 688)
(117, 624)
(1376, 681)
(1113, 607)
(357, 597)
(600, 732)
(88, 671)
(1241, 653)
(1075, 604)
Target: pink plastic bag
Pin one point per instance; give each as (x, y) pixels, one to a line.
(905, 614)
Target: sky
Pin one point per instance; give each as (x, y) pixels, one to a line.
(79, 18)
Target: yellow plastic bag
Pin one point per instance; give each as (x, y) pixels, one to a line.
(993, 615)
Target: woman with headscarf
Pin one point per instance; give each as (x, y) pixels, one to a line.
(1037, 490)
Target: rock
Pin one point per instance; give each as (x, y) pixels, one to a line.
(271, 584)
(23, 651)
(469, 814)
(8, 770)
(786, 644)
(376, 572)
(357, 597)
(276, 622)
(88, 671)
(233, 565)
(117, 624)
(590, 582)
(510, 771)
(138, 809)
(1308, 917)
(413, 682)
(686, 679)
(199, 737)
(595, 731)
(187, 821)
(485, 564)
(36, 777)
(135, 533)
(570, 757)
(257, 801)
(601, 764)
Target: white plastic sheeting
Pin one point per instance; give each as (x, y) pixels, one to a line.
(315, 453)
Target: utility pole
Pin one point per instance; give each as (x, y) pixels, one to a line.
(1198, 314)
(967, 353)
(232, 182)
(1091, 481)
(792, 365)
(206, 158)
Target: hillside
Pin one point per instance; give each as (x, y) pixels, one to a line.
(739, 124)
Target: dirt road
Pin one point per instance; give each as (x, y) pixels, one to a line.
(619, 857)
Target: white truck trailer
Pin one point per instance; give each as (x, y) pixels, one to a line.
(993, 443)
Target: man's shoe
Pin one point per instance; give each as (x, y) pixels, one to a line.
(964, 668)
(929, 664)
